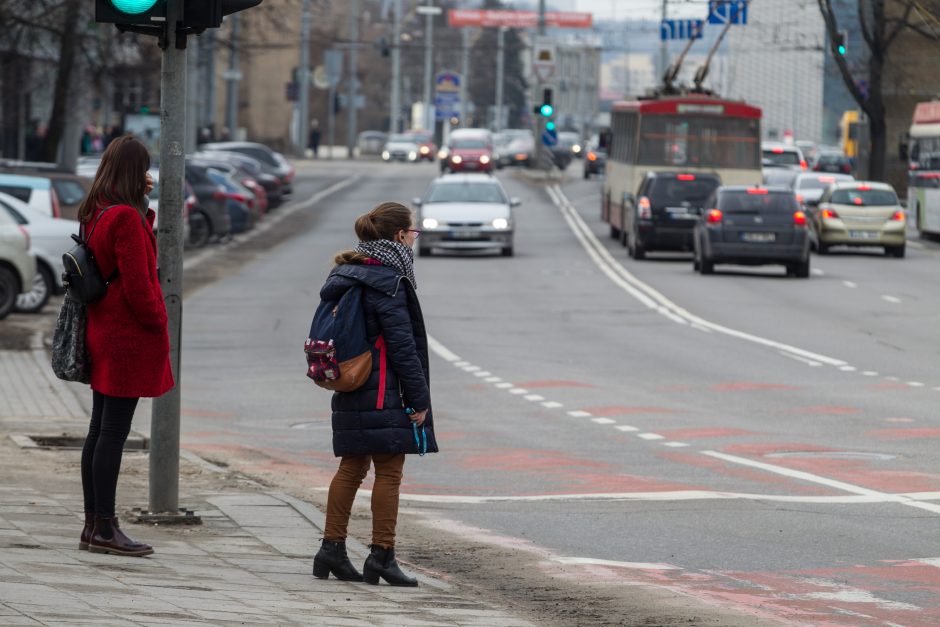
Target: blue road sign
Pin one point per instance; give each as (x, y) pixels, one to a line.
(727, 11)
(550, 137)
(681, 29)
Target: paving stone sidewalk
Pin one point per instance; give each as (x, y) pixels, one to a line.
(248, 564)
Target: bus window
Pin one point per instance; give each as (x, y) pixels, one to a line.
(700, 142)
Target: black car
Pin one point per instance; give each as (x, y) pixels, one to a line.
(665, 211)
(211, 209)
(271, 162)
(250, 167)
(595, 161)
(752, 226)
(835, 162)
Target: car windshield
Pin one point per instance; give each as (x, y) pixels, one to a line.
(469, 144)
(779, 156)
(816, 182)
(831, 159)
(686, 188)
(400, 137)
(465, 192)
(864, 197)
(756, 201)
(20, 193)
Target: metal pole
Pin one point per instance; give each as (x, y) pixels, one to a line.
(663, 51)
(304, 83)
(231, 109)
(464, 74)
(394, 114)
(428, 44)
(353, 80)
(500, 78)
(192, 99)
(331, 120)
(165, 417)
(541, 157)
(207, 56)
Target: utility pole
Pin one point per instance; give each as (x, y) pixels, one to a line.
(500, 75)
(663, 49)
(353, 80)
(192, 98)
(428, 45)
(541, 158)
(165, 417)
(207, 78)
(303, 109)
(464, 74)
(394, 114)
(231, 101)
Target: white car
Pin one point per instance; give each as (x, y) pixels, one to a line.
(36, 191)
(17, 262)
(401, 147)
(50, 238)
(780, 155)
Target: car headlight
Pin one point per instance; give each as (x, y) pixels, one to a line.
(425, 150)
(500, 223)
(441, 154)
(576, 149)
(484, 159)
(386, 155)
(412, 155)
(429, 223)
(456, 159)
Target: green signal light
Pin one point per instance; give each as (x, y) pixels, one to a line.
(547, 110)
(133, 7)
(842, 50)
(550, 126)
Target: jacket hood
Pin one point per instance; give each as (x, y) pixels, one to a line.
(342, 277)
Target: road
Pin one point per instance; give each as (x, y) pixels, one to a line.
(741, 448)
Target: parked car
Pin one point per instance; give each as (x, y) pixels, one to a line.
(272, 162)
(401, 147)
(595, 160)
(49, 239)
(371, 142)
(466, 212)
(70, 188)
(257, 199)
(752, 226)
(210, 218)
(35, 191)
(17, 263)
(665, 211)
(239, 201)
(154, 202)
(779, 155)
(860, 213)
(468, 150)
(836, 162)
(250, 174)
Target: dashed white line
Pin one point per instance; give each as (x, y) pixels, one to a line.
(808, 362)
(505, 385)
(650, 436)
(552, 404)
(579, 414)
(817, 272)
(461, 364)
(518, 391)
(482, 373)
(870, 373)
(850, 284)
(892, 378)
(603, 421)
(493, 379)
(675, 444)
(891, 299)
(626, 428)
(534, 397)
(471, 368)
(915, 384)
(848, 368)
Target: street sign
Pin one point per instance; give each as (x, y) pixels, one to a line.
(429, 10)
(550, 137)
(333, 61)
(727, 12)
(681, 29)
(446, 94)
(517, 19)
(543, 61)
(232, 75)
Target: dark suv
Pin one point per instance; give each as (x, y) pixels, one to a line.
(665, 211)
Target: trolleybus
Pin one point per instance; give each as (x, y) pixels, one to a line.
(688, 134)
(923, 189)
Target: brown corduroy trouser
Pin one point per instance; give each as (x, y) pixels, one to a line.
(352, 470)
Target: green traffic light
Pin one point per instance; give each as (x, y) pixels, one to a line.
(133, 7)
(546, 110)
(842, 50)
(550, 125)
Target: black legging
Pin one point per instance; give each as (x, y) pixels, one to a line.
(104, 445)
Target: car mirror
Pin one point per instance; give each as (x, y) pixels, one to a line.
(416, 201)
(514, 202)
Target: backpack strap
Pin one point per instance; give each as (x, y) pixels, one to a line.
(114, 274)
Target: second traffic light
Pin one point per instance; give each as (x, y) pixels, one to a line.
(546, 109)
(839, 41)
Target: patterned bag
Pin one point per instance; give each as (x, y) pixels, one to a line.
(339, 356)
(70, 360)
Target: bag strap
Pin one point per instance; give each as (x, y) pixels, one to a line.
(114, 274)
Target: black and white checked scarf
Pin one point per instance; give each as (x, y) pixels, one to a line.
(393, 254)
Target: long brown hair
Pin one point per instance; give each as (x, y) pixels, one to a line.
(384, 222)
(121, 177)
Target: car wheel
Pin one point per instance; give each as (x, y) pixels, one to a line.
(34, 300)
(821, 248)
(896, 251)
(707, 266)
(614, 232)
(636, 249)
(200, 229)
(508, 251)
(9, 289)
(587, 175)
(801, 269)
(424, 252)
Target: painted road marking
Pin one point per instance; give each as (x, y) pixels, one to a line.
(891, 299)
(533, 397)
(850, 284)
(590, 561)
(626, 428)
(579, 414)
(808, 362)
(552, 404)
(817, 272)
(471, 368)
(505, 385)
(870, 373)
(603, 421)
(650, 436)
(662, 496)
(493, 379)
(482, 373)
(649, 296)
(847, 368)
(518, 391)
(675, 444)
(915, 384)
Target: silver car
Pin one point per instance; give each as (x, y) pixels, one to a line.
(466, 212)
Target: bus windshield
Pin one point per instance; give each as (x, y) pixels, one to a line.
(702, 141)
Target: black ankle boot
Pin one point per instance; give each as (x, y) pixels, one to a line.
(85, 538)
(332, 558)
(381, 563)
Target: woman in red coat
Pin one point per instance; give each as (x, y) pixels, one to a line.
(127, 337)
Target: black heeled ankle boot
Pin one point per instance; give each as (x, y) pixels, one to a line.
(381, 563)
(85, 538)
(332, 558)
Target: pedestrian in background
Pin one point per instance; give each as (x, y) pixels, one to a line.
(378, 424)
(315, 137)
(127, 337)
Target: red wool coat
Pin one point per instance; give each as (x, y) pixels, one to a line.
(128, 341)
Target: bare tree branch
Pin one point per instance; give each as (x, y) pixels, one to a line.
(900, 26)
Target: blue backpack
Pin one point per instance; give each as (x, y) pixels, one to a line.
(339, 356)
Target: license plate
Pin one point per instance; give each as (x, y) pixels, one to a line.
(758, 237)
(463, 234)
(680, 213)
(863, 234)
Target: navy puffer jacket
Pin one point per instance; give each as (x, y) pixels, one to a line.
(371, 421)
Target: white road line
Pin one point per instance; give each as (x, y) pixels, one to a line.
(493, 379)
(832, 483)
(850, 284)
(808, 362)
(915, 384)
(590, 561)
(603, 421)
(626, 428)
(579, 414)
(518, 391)
(461, 364)
(675, 444)
(649, 296)
(892, 378)
(650, 436)
(848, 368)
(552, 404)
(534, 397)
(471, 368)
(817, 272)
(482, 373)
(443, 352)
(891, 299)
(870, 373)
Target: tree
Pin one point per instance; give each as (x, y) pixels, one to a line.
(880, 22)
(483, 86)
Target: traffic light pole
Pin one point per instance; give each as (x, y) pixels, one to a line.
(165, 419)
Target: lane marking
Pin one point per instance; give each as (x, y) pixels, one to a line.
(482, 373)
(850, 284)
(533, 397)
(552, 404)
(590, 561)
(493, 379)
(461, 364)
(626, 428)
(808, 362)
(891, 299)
(603, 421)
(870, 373)
(900, 499)
(848, 368)
(649, 296)
(650, 436)
(505, 385)
(471, 368)
(579, 414)
(518, 391)
(915, 384)
(675, 444)
(817, 272)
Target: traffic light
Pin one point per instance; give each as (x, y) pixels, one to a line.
(546, 109)
(839, 41)
(138, 12)
(199, 14)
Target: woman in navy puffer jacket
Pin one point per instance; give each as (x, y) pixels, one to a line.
(371, 425)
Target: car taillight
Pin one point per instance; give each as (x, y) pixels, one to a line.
(803, 165)
(713, 216)
(685, 177)
(757, 191)
(799, 218)
(829, 214)
(800, 199)
(25, 235)
(898, 216)
(864, 188)
(592, 156)
(777, 151)
(846, 168)
(817, 168)
(827, 179)
(644, 210)
(56, 209)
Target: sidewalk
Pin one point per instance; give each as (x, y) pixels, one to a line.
(248, 563)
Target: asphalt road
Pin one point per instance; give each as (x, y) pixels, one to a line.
(763, 444)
